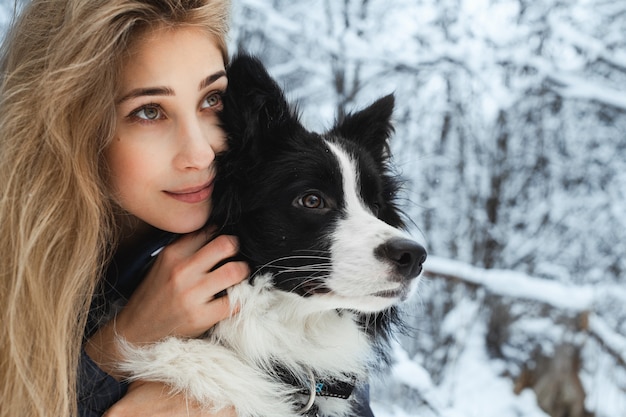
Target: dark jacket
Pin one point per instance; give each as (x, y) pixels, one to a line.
(98, 391)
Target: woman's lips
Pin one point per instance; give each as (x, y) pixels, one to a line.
(194, 194)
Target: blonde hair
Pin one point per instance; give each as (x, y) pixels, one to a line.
(59, 67)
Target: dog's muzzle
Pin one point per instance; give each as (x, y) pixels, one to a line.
(405, 255)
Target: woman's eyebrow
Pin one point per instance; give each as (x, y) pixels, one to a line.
(166, 91)
(211, 79)
(149, 91)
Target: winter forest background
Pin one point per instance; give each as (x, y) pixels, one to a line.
(511, 134)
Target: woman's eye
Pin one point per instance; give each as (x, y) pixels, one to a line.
(212, 100)
(312, 201)
(148, 113)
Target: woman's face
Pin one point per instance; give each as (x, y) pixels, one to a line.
(162, 158)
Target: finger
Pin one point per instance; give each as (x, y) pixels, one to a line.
(220, 309)
(221, 279)
(216, 251)
(207, 314)
(185, 246)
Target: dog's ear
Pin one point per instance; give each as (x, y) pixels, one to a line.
(255, 114)
(370, 127)
(254, 98)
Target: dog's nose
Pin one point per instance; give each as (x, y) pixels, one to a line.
(407, 256)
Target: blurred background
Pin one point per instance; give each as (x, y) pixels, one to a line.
(511, 134)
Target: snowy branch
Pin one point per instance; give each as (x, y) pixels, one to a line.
(613, 342)
(593, 48)
(572, 86)
(515, 284)
(569, 299)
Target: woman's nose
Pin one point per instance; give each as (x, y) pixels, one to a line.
(197, 143)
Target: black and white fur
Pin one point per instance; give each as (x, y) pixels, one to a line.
(317, 221)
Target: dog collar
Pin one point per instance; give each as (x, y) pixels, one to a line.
(334, 389)
(331, 388)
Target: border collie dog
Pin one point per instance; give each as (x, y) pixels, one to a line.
(317, 222)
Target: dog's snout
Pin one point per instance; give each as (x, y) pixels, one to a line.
(406, 255)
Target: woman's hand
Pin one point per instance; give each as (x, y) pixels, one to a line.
(176, 298)
(153, 399)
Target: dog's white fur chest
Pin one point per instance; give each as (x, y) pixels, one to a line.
(237, 363)
(282, 326)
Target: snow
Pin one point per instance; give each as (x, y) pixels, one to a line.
(473, 387)
(410, 372)
(573, 86)
(474, 382)
(613, 340)
(517, 285)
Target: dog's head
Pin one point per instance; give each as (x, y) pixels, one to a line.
(317, 211)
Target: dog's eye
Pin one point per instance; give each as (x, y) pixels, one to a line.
(315, 202)
(312, 201)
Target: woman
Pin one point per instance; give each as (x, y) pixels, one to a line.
(101, 145)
